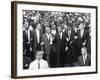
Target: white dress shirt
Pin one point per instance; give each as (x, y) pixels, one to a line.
(69, 33)
(53, 32)
(82, 32)
(42, 64)
(49, 36)
(38, 35)
(28, 33)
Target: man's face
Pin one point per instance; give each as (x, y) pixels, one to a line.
(39, 55)
(53, 27)
(81, 26)
(59, 29)
(75, 28)
(39, 26)
(26, 25)
(83, 51)
(48, 30)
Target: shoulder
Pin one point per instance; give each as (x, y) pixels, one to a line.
(86, 31)
(89, 55)
(41, 31)
(56, 33)
(78, 30)
(80, 57)
(44, 35)
(23, 29)
(32, 63)
(44, 61)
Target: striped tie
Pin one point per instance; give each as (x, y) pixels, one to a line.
(38, 64)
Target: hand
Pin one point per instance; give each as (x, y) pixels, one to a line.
(31, 49)
(67, 39)
(28, 42)
(31, 39)
(75, 37)
(71, 42)
(42, 43)
(51, 43)
(66, 49)
(26, 65)
(83, 43)
(24, 51)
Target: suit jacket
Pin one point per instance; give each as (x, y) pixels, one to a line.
(60, 44)
(84, 37)
(71, 38)
(87, 61)
(36, 44)
(46, 44)
(26, 45)
(75, 45)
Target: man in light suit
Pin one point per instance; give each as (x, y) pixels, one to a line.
(46, 42)
(85, 58)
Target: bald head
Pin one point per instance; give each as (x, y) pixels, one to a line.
(60, 29)
(47, 29)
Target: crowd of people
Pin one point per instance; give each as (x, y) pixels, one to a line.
(56, 39)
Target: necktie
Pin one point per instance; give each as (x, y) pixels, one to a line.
(60, 35)
(28, 36)
(81, 33)
(69, 33)
(38, 64)
(49, 37)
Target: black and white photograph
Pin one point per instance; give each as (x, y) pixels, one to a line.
(55, 39)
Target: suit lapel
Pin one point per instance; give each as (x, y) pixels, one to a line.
(46, 37)
(58, 36)
(35, 35)
(87, 59)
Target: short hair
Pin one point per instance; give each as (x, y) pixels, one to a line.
(39, 51)
(47, 28)
(60, 27)
(82, 23)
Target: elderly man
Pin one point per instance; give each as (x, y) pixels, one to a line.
(46, 42)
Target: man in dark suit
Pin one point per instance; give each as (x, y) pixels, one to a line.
(83, 35)
(59, 41)
(69, 47)
(46, 42)
(27, 39)
(27, 42)
(85, 58)
(37, 35)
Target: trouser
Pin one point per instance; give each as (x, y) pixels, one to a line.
(48, 59)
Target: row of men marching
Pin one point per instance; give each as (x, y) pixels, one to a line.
(61, 44)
